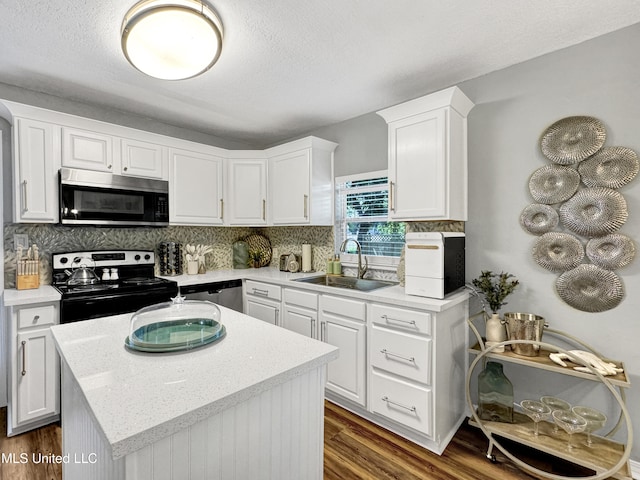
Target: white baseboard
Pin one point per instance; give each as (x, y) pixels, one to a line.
(635, 469)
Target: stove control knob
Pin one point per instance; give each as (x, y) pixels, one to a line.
(64, 260)
(147, 257)
(137, 258)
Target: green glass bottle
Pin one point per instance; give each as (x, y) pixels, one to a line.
(495, 394)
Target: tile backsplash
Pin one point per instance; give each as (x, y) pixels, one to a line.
(57, 238)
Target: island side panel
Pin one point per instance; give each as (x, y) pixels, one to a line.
(86, 452)
(276, 435)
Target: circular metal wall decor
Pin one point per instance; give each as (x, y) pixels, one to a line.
(611, 251)
(538, 218)
(572, 139)
(590, 288)
(594, 212)
(553, 184)
(558, 252)
(611, 167)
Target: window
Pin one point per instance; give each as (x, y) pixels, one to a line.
(362, 215)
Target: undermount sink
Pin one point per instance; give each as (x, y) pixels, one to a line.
(361, 284)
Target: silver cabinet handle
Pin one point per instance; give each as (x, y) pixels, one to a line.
(277, 317)
(392, 205)
(24, 358)
(313, 327)
(26, 195)
(306, 206)
(262, 293)
(221, 209)
(386, 318)
(411, 409)
(323, 325)
(264, 209)
(384, 351)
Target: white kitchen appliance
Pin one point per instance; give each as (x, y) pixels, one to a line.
(434, 263)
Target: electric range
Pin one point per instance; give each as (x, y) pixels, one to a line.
(125, 282)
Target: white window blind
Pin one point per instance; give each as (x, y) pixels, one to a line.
(362, 214)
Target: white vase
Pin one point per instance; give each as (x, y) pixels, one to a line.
(495, 332)
(192, 267)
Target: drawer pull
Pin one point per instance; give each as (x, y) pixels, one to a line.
(423, 247)
(24, 358)
(262, 293)
(384, 351)
(391, 319)
(386, 399)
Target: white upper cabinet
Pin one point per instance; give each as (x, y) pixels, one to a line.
(301, 182)
(428, 157)
(246, 191)
(196, 195)
(36, 149)
(143, 159)
(87, 150)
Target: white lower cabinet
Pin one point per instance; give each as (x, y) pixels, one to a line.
(300, 312)
(399, 367)
(343, 324)
(417, 372)
(34, 385)
(262, 301)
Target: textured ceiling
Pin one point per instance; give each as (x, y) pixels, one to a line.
(290, 66)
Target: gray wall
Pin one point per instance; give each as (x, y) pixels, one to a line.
(514, 106)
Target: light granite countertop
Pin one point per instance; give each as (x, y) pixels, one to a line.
(139, 398)
(393, 294)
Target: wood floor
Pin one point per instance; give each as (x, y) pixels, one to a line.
(354, 449)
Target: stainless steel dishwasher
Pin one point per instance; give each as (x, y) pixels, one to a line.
(227, 293)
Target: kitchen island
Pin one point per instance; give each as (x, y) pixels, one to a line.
(247, 406)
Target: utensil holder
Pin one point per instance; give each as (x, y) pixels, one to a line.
(31, 278)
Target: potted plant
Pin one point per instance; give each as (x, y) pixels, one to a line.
(255, 257)
(495, 288)
(195, 258)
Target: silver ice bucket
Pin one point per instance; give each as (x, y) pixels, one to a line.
(525, 326)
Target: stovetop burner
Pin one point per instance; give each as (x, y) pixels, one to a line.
(135, 287)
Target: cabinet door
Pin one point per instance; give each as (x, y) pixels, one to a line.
(195, 188)
(36, 374)
(289, 176)
(37, 155)
(418, 167)
(88, 150)
(247, 192)
(143, 159)
(346, 375)
(300, 320)
(262, 310)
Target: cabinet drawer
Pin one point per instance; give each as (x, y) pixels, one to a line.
(344, 307)
(301, 298)
(402, 354)
(265, 290)
(37, 316)
(401, 318)
(403, 402)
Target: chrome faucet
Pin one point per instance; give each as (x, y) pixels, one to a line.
(361, 270)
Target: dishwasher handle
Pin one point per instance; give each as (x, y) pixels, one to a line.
(210, 287)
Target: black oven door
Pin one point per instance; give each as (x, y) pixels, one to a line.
(86, 307)
(97, 198)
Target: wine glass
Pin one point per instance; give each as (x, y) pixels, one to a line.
(595, 420)
(537, 411)
(570, 423)
(555, 403)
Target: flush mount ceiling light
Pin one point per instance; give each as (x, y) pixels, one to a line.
(171, 39)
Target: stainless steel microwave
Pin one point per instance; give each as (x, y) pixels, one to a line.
(100, 198)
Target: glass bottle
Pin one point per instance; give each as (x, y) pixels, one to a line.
(495, 394)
